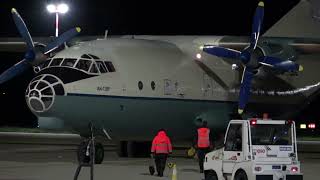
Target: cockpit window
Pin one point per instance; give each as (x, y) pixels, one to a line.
(68, 62)
(45, 64)
(50, 79)
(94, 68)
(90, 64)
(56, 62)
(86, 56)
(93, 56)
(83, 64)
(101, 67)
(109, 66)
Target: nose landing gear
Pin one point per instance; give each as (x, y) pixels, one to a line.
(89, 153)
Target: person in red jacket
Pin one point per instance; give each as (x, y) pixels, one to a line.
(161, 147)
(203, 143)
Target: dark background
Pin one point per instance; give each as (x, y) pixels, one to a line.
(214, 17)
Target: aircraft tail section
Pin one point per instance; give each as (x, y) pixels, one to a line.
(301, 21)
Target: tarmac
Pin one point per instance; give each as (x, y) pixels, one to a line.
(35, 160)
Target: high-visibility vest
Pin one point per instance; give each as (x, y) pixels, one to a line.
(161, 144)
(203, 137)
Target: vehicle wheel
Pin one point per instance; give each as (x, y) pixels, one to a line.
(99, 153)
(241, 175)
(210, 175)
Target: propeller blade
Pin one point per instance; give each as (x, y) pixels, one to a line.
(222, 52)
(22, 28)
(245, 89)
(15, 70)
(277, 63)
(256, 27)
(62, 39)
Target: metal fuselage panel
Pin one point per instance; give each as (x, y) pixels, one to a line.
(132, 118)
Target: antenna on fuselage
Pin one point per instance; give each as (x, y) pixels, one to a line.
(106, 34)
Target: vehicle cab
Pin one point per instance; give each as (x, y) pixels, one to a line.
(256, 149)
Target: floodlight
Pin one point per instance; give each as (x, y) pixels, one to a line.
(62, 8)
(51, 8)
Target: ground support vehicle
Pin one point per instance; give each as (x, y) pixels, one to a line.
(256, 149)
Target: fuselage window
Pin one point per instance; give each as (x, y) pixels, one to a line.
(93, 56)
(83, 64)
(68, 62)
(101, 67)
(94, 68)
(153, 85)
(56, 62)
(140, 85)
(110, 66)
(86, 56)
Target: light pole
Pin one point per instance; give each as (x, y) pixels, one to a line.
(57, 8)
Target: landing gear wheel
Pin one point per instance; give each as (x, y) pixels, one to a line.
(99, 154)
(83, 157)
(133, 149)
(241, 176)
(210, 175)
(122, 149)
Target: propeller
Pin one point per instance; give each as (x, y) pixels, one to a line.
(249, 59)
(33, 55)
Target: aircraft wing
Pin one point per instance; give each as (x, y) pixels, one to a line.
(13, 44)
(275, 44)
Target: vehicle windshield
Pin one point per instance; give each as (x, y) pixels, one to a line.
(271, 134)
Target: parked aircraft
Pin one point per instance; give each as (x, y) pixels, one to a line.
(128, 87)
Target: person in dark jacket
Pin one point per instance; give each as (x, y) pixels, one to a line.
(161, 147)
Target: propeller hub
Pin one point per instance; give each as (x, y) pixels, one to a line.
(30, 55)
(245, 57)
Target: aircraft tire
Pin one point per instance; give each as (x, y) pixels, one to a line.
(83, 158)
(133, 149)
(122, 149)
(139, 149)
(99, 153)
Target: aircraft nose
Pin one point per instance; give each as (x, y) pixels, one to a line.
(42, 90)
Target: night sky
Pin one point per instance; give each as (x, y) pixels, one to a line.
(214, 17)
(223, 17)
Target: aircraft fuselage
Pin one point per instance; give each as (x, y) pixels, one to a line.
(156, 82)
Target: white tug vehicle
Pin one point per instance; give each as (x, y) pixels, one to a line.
(256, 149)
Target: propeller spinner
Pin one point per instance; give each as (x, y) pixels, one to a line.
(33, 56)
(250, 61)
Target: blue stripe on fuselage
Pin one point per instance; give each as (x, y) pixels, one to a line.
(146, 98)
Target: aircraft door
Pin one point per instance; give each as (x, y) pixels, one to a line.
(170, 87)
(207, 86)
(233, 150)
